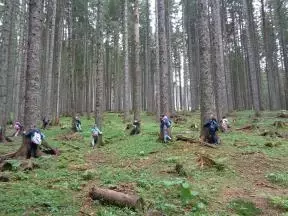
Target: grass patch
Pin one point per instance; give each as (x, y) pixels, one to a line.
(244, 207)
(280, 202)
(278, 178)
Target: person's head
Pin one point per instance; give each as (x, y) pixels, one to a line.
(224, 117)
(212, 117)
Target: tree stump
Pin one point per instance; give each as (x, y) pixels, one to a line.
(117, 198)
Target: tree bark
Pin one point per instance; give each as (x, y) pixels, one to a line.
(251, 58)
(164, 78)
(220, 82)
(32, 93)
(137, 70)
(99, 66)
(5, 34)
(126, 63)
(117, 198)
(51, 35)
(207, 99)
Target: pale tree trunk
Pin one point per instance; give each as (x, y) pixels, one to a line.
(99, 65)
(4, 63)
(71, 92)
(126, 63)
(51, 29)
(207, 98)
(57, 61)
(167, 23)
(269, 62)
(226, 60)
(21, 24)
(185, 63)
(220, 82)
(164, 77)
(137, 70)
(32, 93)
(23, 68)
(12, 59)
(279, 8)
(157, 66)
(251, 58)
(148, 75)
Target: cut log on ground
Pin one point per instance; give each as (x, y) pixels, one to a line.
(117, 198)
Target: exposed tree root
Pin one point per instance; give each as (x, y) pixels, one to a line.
(193, 140)
(271, 134)
(280, 124)
(282, 115)
(21, 153)
(180, 170)
(206, 161)
(247, 127)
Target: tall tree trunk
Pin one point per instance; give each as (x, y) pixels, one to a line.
(99, 66)
(126, 63)
(251, 58)
(137, 70)
(4, 63)
(57, 61)
(71, 49)
(32, 93)
(157, 66)
(207, 99)
(51, 29)
(23, 68)
(229, 89)
(164, 77)
(220, 82)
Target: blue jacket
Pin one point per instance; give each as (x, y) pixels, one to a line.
(212, 125)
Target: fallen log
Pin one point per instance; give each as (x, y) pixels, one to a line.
(117, 198)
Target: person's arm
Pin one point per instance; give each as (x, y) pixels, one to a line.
(207, 124)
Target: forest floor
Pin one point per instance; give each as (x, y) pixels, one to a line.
(250, 176)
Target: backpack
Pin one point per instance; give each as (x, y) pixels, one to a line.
(213, 127)
(36, 138)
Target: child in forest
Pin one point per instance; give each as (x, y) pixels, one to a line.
(224, 125)
(95, 134)
(18, 128)
(78, 123)
(135, 128)
(34, 138)
(45, 122)
(165, 124)
(212, 126)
